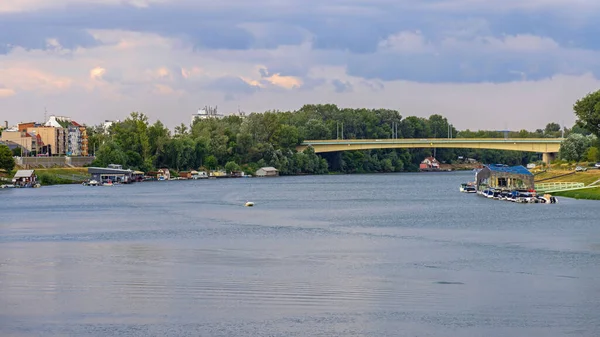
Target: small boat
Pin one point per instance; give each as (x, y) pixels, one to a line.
(91, 183)
(249, 204)
(108, 183)
(468, 188)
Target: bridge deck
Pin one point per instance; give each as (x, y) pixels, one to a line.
(542, 145)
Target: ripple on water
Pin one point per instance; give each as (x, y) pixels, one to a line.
(360, 255)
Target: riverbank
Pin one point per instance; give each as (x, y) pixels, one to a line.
(586, 194)
(61, 176)
(591, 177)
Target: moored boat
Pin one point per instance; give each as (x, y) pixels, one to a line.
(468, 188)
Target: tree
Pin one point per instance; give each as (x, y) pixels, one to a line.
(592, 154)
(111, 153)
(211, 162)
(7, 162)
(587, 110)
(287, 136)
(231, 166)
(552, 128)
(574, 147)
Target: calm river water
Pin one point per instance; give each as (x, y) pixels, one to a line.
(351, 255)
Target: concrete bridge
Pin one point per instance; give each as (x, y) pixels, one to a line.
(549, 147)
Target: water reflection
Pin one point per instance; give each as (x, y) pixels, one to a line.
(344, 255)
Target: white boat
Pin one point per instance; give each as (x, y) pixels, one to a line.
(91, 183)
(468, 188)
(249, 204)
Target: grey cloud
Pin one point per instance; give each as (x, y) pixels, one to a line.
(259, 24)
(231, 85)
(452, 65)
(341, 87)
(342, 32)
(373, 85)
(263, 72)
(229, 97)
(310, 83)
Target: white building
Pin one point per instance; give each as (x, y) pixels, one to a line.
(267, 172)
(107, 124)
(58, 121)
(205, 113)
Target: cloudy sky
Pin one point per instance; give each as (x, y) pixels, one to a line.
(483, 64)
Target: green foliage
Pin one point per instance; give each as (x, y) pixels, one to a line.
(111, 153)
(575, 147)
(587, 194)
(551, 128)
(231, 166)
(47, 179)
(592, 154)
(211, 162)
(270, 139)
(7, 162)
(587, 110)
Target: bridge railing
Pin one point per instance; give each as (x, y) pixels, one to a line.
(418, 140)
(558, 186)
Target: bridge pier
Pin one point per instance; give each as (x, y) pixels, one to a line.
(547, 157)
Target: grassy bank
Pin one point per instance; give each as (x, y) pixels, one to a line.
(58, 176)
(588, 177)
(587, 194)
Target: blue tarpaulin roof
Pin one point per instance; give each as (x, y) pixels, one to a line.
(520, 169)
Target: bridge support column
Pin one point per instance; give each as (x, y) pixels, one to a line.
(547, 157)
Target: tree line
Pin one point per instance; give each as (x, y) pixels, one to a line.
(270, 139)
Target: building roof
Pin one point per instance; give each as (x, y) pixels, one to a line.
(268, 168)
(106, 170)
(520, 169)
(23, 174)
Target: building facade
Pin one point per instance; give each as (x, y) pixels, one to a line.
(429, 164)
(206, 113)
(59, 136)
(55, 139)
(27, 141)
(267, 172)
(505, 177)
(77, 142)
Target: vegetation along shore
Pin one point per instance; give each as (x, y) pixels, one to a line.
(246, 143)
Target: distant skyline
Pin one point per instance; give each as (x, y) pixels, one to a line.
(513, 64)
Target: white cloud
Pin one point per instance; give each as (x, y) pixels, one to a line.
(97, 73)
(407, 42)
(522, 42)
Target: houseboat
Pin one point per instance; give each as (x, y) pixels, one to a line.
(25, 178)
(509, 183)
(199, 175)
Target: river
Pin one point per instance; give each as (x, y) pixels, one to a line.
(344, 255)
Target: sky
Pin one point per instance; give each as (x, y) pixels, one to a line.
(495, 65)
